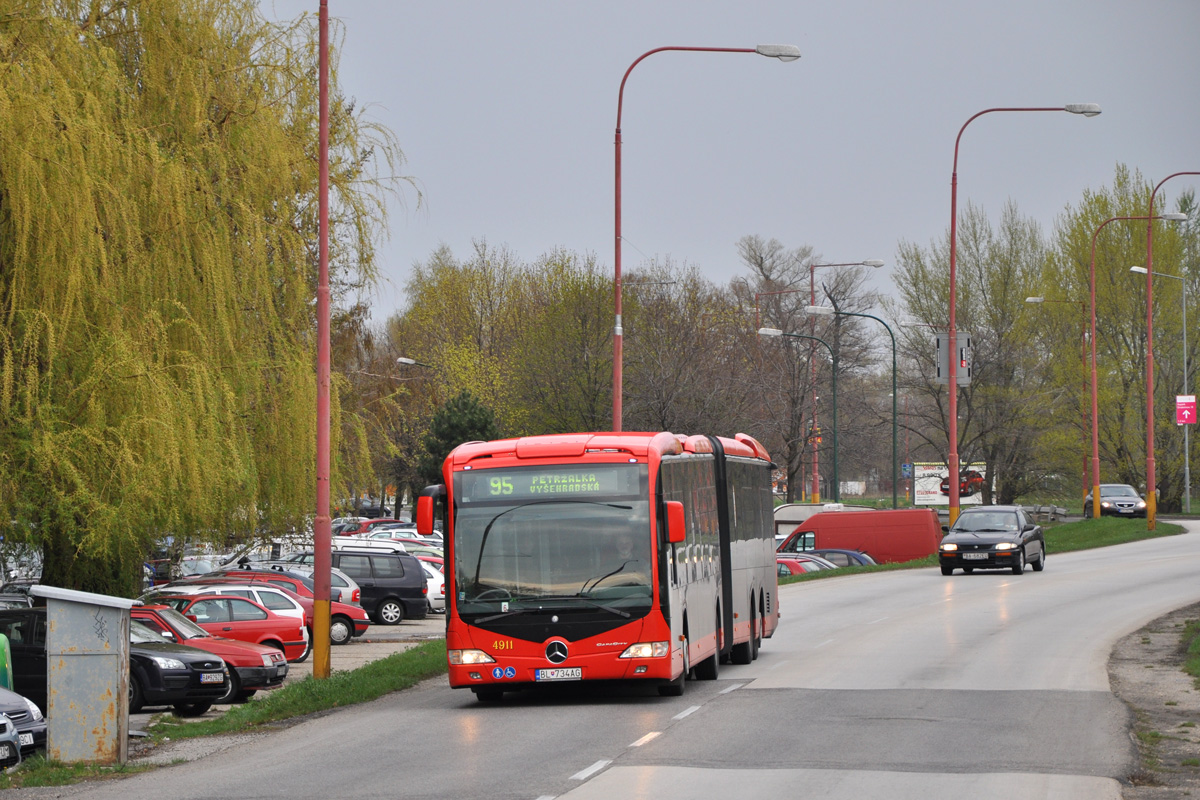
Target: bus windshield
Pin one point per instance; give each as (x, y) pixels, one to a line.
(552, 537)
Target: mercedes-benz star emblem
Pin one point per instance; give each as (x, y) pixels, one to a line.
(556, 652)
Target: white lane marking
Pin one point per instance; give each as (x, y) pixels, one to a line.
(548, 797)
(647, 738)
(731, 688)
(686, 712)
(881, 619)
(778, 664)
(822, 644)
(583, 775)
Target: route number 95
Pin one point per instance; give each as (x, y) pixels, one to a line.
(499, 486)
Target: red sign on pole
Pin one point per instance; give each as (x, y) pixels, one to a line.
(1185, 409)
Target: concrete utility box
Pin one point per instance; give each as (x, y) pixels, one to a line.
(87, 671)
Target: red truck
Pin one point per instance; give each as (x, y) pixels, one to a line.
(890, 536)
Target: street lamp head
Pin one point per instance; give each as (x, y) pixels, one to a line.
(403, 360)
(1087, 109)
(819, 311)
(770, 332)
(1173, 216)
(1035, 299)
(784, 52)
(1138, 270)
(873, 262)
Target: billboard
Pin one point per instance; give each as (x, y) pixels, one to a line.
(931, 484)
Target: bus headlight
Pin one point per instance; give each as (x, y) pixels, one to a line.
(469, 657)
(647, 650)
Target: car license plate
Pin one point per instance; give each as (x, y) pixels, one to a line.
(26, 739)
(975, 556)
(212, 677)
(6, 751)
(559, 674)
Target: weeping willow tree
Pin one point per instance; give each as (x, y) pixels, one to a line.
(158, 229)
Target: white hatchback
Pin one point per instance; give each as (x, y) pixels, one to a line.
(436, 582)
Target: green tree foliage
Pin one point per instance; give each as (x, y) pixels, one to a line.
(1121, 322)
(158, 178)
(462, 419)
(1006, 408)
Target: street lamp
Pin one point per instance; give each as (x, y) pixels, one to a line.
(783, 52)
(410, 362)
(1152, 495)
(1187, 469)
(1083, 359)
(1150, 505)
(1087, 110)
(834, 359)
(825, 311)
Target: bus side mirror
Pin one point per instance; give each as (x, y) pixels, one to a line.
(426, 506)
(676, 531)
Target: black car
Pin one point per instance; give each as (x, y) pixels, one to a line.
(993, 537)
(1117, 500)
(160, 673)
(392, 585)
(27, 717)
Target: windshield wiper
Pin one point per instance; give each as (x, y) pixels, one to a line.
(587, 601)
(574, 598)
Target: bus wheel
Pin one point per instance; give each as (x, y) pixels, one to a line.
(743, 652)
(709, 667)
(675, 687)
(755, 636)
(487, 694)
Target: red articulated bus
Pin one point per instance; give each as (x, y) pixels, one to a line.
(604, 556)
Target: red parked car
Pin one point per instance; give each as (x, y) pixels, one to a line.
(346, 621)
(366, 526)
(242, 619)
(251, 666)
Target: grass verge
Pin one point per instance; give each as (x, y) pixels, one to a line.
(1061, 537)
(1191, 642)
(397, 671)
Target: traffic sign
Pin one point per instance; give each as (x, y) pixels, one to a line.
(1185, 409)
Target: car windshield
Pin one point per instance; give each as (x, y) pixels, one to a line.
(532, 548)
(185, 627)
(986, 522)
(1118, 491)
(140, 634)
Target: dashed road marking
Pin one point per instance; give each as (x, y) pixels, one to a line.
(686, 712)
(648, 737)
(583, 775)
(731, 688)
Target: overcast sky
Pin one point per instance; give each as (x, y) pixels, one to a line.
(506, 113)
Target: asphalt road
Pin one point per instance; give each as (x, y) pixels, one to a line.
(899, 685)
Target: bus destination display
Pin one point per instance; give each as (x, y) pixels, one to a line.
(534, 483)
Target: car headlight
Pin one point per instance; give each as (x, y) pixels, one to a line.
(1141, 504)
(168, 663)
(469, 657)
(34, 711)
(647, 650)
(1006, 545)
(949, 546)
(267, 660)
(1105, 503)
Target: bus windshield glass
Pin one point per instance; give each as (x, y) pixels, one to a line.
(560, 537)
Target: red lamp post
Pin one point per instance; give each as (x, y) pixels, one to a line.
(322, 529)
(1087, 110)
(783, 52)
(1095, 392)
(1151, 494)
